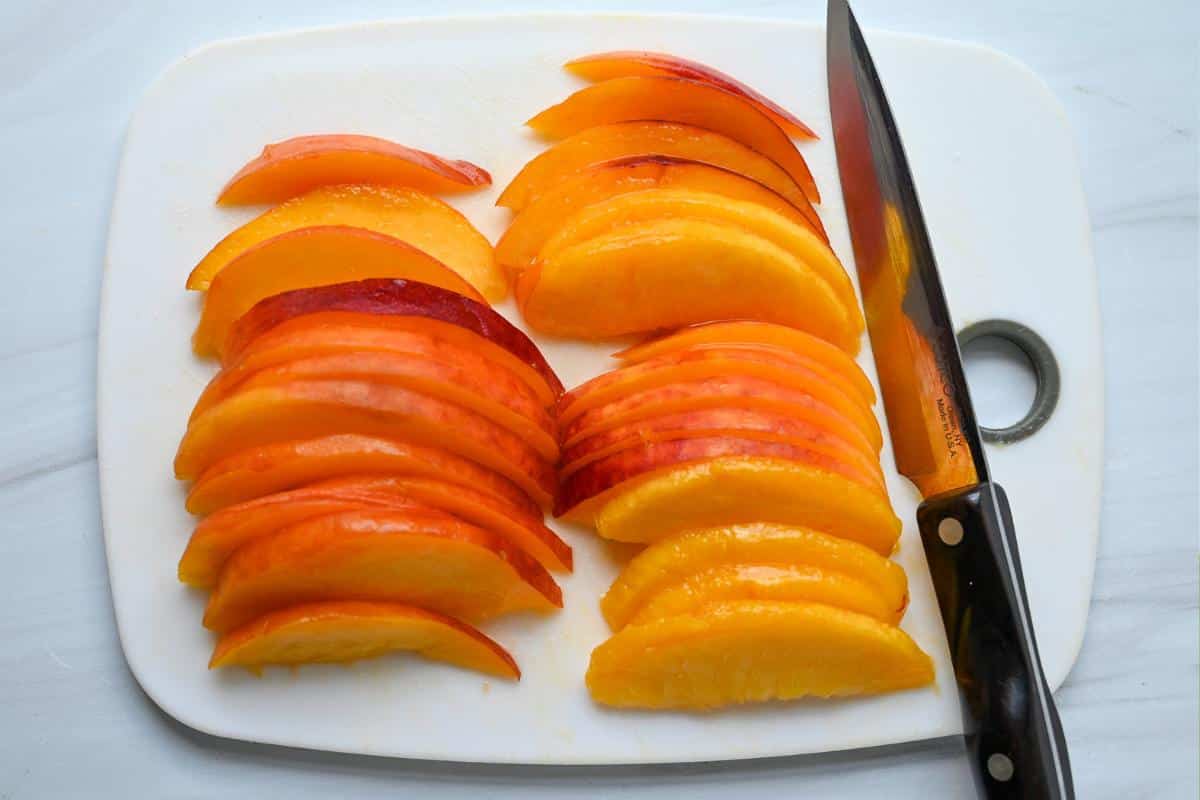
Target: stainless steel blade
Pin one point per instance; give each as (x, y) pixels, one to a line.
(933, 428)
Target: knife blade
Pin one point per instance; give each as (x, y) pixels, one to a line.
(1013, 734)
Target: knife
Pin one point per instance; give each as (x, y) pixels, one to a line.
(1013, 735)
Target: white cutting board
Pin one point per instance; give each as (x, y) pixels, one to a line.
(995, 165)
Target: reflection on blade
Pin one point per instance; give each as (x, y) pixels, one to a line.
(933, 429)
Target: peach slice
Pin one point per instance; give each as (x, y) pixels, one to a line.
(679, 100)
(307, 409)
(218, 536)
(751, 332)
(592, 487)
(655, 204)
(492, 393)
(340, 632)
(341, 333)
(789, 491)
(307, 257)
(266, 469)
(724, 391)
(625, 63)
(428, 559)
(538, 221)
(787, 584)
(738, 422)
(669, 562)
(754, 651)
(781, 367)
(675, 272)
(303, 163)
(595, 146)
(406, 214)
(326, 333)
(518, 523)
(402, 301)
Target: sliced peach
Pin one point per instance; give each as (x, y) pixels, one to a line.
(674, 272)
(624, 63)
(789, 491)
(428, 559)
(406, 214)
(340, 632)
(654, 204)
(595, 146)
(751, 332)
(524, 528)
(218, 536)
(725, 391)
(781, 367)
(754, 651)
(338, 333)
(738, 422)
(677, 100)
(258, 471)
(669, 562)
(787, 584)
(303, 163)
(590, 489)
(401, 301)
(306, 257)
(327, 333)
(307, 409)
(492, 393)
(538, 221)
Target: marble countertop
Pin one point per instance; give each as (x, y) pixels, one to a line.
(73, 722)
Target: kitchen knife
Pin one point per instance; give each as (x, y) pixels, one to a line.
(1013, 735)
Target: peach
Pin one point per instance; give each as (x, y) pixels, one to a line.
(307, 409)
(218, 536)
(604, 143)
(625, 63)
(222, 533)
(670, 562)
(427, 559)
(406, 214)
(521, 525)
(786, 584)
(702, 105)
(339, 632)
(303, 163)
(754, 651)
(674, 272)
(787, 488)
(724, 391)
(307, 257)
(655, 204)
(538, 221)
(398, 299)
(484, 388)
(253, 472)
(739, 422)
(752, 332)
(781, 367)
(589, 489)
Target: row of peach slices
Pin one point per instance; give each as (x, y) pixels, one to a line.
(745, 453)
(670, 185)
(374, 455)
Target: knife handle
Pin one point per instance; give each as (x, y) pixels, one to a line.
(1013, 734)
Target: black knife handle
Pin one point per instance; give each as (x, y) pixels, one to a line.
(1014, 738)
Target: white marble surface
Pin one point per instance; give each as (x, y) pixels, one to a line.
(73, 722)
